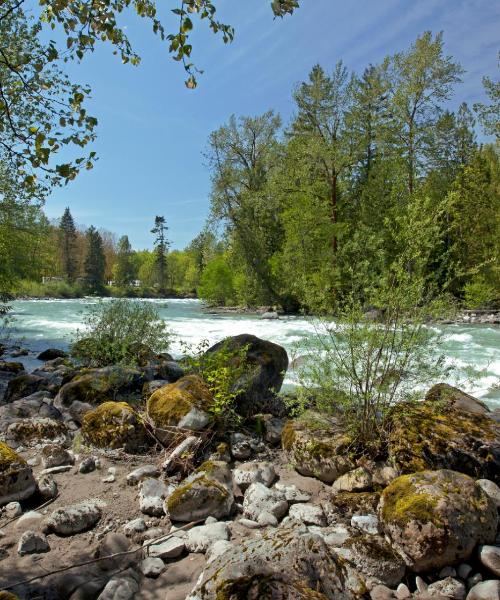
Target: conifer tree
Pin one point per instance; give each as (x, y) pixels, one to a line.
(124, 269)
(95, 261)
(68, 239)
(161, 248)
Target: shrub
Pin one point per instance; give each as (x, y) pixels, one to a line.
(479, 294)
(120, 332)
(221, 371)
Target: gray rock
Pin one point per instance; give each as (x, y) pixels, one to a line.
(120, 587)
(142, 473)
(475, 579)
(16, 481)
(253, 472)
(152, 567)
(357, 480)
(266, 519)
(449, 587)
(32, 543)
(30, 520)
(491, 489)
(273, 428)
(309, 514)
(194, 420)
(292, 493)
(258, 498)
(87, 465)
(217, 549)
(464, 570)
(421, 585)
(13, 510)
(334, 536)
(402, 592)
(170, 548)
(72, 519)
(249, 524)
(367, 523)
(134, 527)
(152, 493)
(47, 486)
(447, 572)
(490, 558)
(486, 590)
(381, 592)
(240, 446)
(199, 539)
(54, 455)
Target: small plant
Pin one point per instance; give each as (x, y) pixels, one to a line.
(222, 371)
(121, 332)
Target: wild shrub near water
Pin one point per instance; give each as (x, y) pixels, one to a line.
(120, 332)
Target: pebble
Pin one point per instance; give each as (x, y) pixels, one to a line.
(152, 567)
(447, 572)
(449, 588)
(475, 579)
(381, 592)
(32, 543)
(170, 548)
(486, 590)
(464, 570)
(87, 465)
(367, 523)
(403, 592)
(266, 519)
(309, 514)
(420, 584)
(133, 527)
(13, 510)
(31, 519)
(490, 558)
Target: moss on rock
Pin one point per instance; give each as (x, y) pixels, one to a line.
(115, 425)
(16, 477)
(33, 430)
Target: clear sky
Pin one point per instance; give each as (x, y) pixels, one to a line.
(153, 131)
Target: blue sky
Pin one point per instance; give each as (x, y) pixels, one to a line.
(153, 131)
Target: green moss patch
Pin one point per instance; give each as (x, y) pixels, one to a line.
(403, 502)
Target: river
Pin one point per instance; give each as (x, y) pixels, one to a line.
(51, 323)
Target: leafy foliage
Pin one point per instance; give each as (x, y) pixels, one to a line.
(119, 332)
(221, 371)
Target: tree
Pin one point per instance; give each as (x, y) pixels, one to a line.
(489, 114)
(161, 248)
(216, 285)
(422, 78)
(67, 240)
(95, 261)
(124, 271)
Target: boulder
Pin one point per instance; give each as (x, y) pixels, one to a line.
(260, 499)
(205, 493)
(51, 354)
(115, 425)
(93, 386)
(317, 447)
(485, 590)
(29, 432)
(183, 404)
(265, 367)
(69, 520)
(438, 435)
(16, 477)
(442, 393)
(287, 564)
(490, 558)
(436, 518)
(24, 385)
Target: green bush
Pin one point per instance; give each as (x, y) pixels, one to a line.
(221, 371)
(51, 289)
(120, 332)
(216, 284)
(479, 294)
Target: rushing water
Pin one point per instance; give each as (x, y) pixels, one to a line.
(50, 323)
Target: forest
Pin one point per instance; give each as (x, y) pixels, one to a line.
(373, 175)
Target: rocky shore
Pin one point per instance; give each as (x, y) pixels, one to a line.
(115, 483)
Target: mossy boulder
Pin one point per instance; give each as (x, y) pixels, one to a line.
(436, 434)
(34, 430)
(317, 447)
(11, 368)
(288, 563)
(452, 397)
(93, 386)
(184, 404)
(115, 425)
(264, 368)
(16, 477)
(25, 385)
(436, 518)
(205, 493)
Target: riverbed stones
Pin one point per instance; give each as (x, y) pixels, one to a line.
(490, 558)
(16, 477)
(260, 499)
(72, 519)
(115, 425)
(436, 518)
(265, 365)
(317, 447)
(183, 405)
(206, 493)
(32, 542)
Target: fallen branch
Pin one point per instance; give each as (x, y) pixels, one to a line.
(100, 558)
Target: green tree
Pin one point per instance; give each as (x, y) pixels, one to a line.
(489, 114)
(216, 285)
(95, 261)
(124, 270)
(67, 232)
(161, 248)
